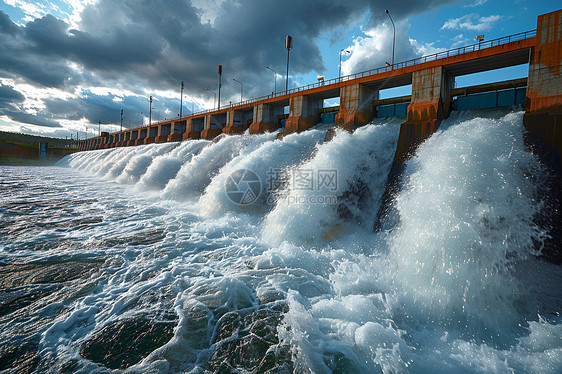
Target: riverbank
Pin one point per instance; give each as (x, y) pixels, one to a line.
(23, 149)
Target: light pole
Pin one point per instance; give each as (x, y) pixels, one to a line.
(274, 78)
(181, 98)
(393, 36)
(220, 78)
(346, 51)
(215, 97)
(150, 115)
(241, 89)
(288, 47)
(121, 120)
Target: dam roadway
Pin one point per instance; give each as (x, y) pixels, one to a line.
(432, 78)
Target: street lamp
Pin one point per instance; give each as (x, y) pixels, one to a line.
(274, 79)
(121, 120)
(346, 51)
(220, 78)
(215, 97)
(288, 47)
(241, 89)
(393, 36)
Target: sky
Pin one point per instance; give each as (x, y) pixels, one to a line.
(68, 67)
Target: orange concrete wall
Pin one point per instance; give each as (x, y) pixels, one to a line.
(431, 95)
(356, 105)
(303, 113)
(543, 108)
(430, 103)
(544, 90)
(265, 117)
(234, 122)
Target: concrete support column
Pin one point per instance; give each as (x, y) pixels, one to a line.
(118, 139)
(152, 133)
(234, 122)
(356, 106)
(429, 105)
(543, 108)
(213, 127)
(303, 113)
(164, 131)
(143, 133)
(126, 138)
(265, 118)
(133, 137)
(177, 131)
(194, 126)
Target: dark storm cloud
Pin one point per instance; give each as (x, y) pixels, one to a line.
(10, 101)
(6, 25)
(37, 120)
(150, 44)
(246, 36)
(9, 97)
(96, 108)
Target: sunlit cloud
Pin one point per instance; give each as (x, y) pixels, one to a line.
(471, 22)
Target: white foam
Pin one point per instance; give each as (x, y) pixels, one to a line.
(263, 161)
(454, 286)
(195, 175)
(360, 161)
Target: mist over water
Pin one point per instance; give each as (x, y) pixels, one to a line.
(141, 258)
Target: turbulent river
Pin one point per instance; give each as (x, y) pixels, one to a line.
(254, 254)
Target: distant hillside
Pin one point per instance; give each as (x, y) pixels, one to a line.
(13, 137)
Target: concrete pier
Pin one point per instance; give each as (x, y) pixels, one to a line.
(303, 113)
(266, 117)
(430, 103)
(356, 106)
(237, 121)
(214, 123)
(194, 126)
(543, 109)
(178, 129)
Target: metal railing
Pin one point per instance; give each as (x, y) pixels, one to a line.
(399, 65)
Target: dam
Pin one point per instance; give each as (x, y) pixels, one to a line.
(432, 79)
(254, 252)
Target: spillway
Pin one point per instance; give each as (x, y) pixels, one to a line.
(250, 253)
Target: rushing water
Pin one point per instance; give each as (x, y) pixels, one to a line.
(250, 254)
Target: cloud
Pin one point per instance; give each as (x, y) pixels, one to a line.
(140, 47)
(374, 49)
(9, 97)
(471, 22)
(32, 119)
(476, 3)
